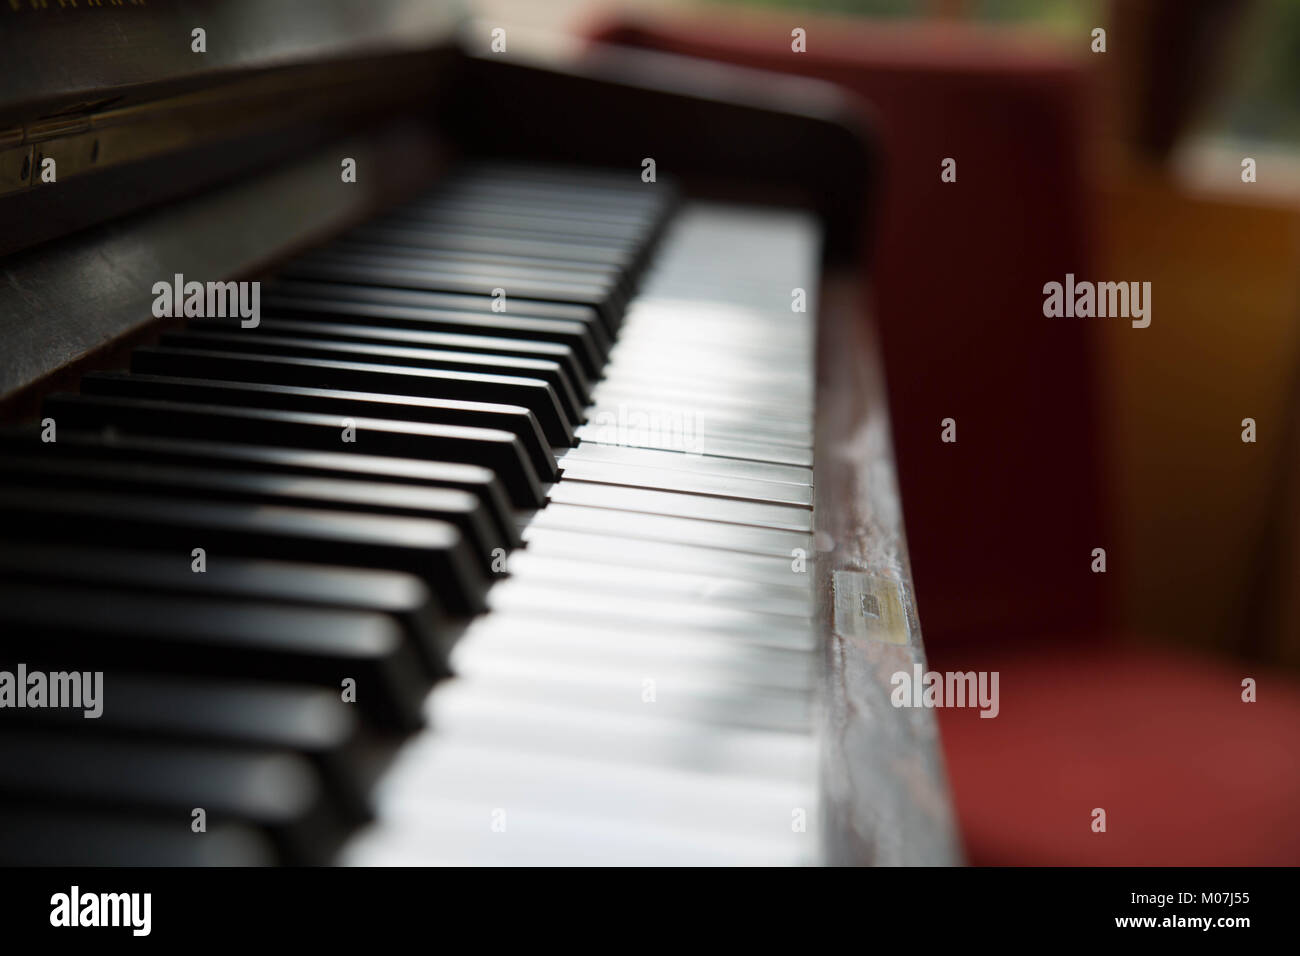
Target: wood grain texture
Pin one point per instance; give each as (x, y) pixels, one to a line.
(884, 791)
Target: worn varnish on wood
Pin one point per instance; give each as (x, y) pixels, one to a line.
(885, 796)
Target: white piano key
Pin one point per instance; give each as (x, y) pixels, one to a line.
(709, 804)
(523, 596)
(472, 713)
(597, 574)
(632, 418)
(622, 688)
(664, 479)
(449, 833)
(560, 631)
(704, 402)
(707, 445)
(655, 555)
(702, 662)
(628, 524)
(697, 464)
(682, 505)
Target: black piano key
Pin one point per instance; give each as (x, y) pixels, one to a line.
(631, 259)
(305, 720)
(531, 293)
(457, 508)
(572, 212)
(460, 240)
(511, 418)
(584, 212)
(478, 481)
(488, 272)
(499, 450)
(315, 307)
(402, 597)
(414, 338)
(271, 790)
(471, 305)
(617, 277)
(533, 394)
(50, 837)
(259, 343)
(501, 173)
(434, 551)
(587, 192)
(566, 209)
(529, 224)
(66, 628)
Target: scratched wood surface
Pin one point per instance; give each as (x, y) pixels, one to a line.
(884, 792)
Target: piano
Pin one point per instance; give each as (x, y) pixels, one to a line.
(417, 454)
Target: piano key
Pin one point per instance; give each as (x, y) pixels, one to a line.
(478, 481)
(703, 403)
(274, 791)
(610, 287)
(695, 464)
(432, 550)
(563, 179)
(719, 400)
(481, 308)
(457, 508)
(783, 659)
(289, 717)
(493, 345)
(617, 277)
(525, 598)
(261, 344)
(610, 549)
(627, 524)
(552, 192)
(530, 393)
(530, 294)
(619, 688)
(493, 448)
(567, 207)
(704, 445)
(325, 401)
(473, 714)
(526, 224)
(666, 479)
(402, 597)
(412, 236)
(585, 344)
(488, 272)
(438, 832)
(47, 837)
(61, 627)
(616, 422)
(575, 207)
(682, 505)
(636, 797)
(714, 586)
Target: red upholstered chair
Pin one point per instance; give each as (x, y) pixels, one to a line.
(1001, 524)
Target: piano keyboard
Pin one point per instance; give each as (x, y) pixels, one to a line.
(540, 441)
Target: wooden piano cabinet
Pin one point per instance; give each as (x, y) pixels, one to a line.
(884, 791)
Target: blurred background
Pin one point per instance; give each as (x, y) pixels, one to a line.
(1120, 690)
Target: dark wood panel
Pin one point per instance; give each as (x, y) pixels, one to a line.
(62, 303)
